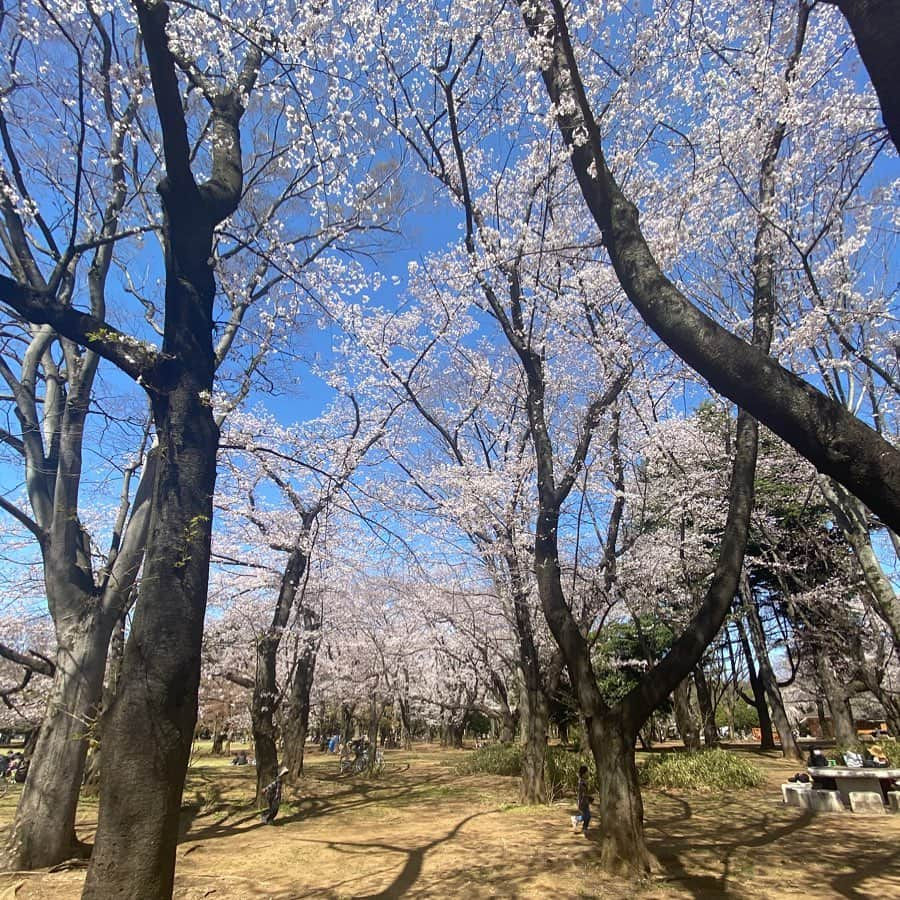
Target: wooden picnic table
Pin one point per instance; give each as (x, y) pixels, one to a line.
(845, 779)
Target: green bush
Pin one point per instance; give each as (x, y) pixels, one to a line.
(708, 770)
(495, 759)
(560, 766)
(561, 771)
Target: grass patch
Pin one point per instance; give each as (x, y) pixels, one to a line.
(707, 771)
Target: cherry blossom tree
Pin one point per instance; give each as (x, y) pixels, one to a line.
(200, 98)
(308, 466)
(836, 442)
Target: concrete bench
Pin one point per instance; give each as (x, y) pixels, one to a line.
(846, 780)
(894, 801)
(824, 801)
(796, 793)
(867, 802)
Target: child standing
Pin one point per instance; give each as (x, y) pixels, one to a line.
(584, 802)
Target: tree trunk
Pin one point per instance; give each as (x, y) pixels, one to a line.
(148, 731)
(296, 723)
(767, 738)
(825, 724)
(262, 715)
(534, 718)
(346, 722)
(852, 519)
(623, 849)
(43, 833)
(405, 723)
(838, 703)
(508, 725)
(767, 678)
(684, 716)
(707, 710)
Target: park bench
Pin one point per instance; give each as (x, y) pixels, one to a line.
(847, 780)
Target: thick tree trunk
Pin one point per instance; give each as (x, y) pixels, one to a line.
(844, 728)
(508, 725)
(43, 833)
(825, 725)
(707, 710)
(148, 731)
(534, 719)
(262, 716)
(623, 849)
(346, 722)
(405, 723)
(684, 716)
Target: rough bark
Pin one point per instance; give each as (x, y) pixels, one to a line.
(266, 693)
(842, 724)
(851, 518)
(534, 719)
(44, 829)
(296, 720)
(767, 737)
(622, 849)
(84, 617)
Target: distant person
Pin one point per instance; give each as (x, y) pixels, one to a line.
(22, 771)
(817, 759)
(876, 757)
(240, 759)
(272, 793)
(584, 802)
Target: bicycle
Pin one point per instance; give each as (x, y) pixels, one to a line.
(362, 762)
(357, 761)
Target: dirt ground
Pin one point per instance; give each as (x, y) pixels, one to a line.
(422, 830)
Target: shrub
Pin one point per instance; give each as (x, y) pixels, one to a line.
(708, 770)
(495, 759)
(561, 771)
(560, 766)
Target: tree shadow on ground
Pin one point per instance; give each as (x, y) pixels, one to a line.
(350, 795)
(809, 847)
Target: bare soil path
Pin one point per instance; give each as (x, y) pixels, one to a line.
(421, 830)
